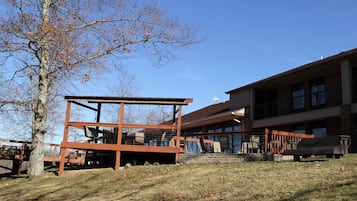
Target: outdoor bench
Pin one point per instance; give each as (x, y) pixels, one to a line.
(330, 146)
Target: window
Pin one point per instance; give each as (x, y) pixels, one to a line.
(318, 93)
(298, 96)
(301, 131)
(319, 129)
(271, 105)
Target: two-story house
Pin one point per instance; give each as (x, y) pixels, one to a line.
(318, 98)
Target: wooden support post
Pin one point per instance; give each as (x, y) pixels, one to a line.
(21, 159)
(120, 136)
(178, 133)
(99, 108)
(185, 144)
(174, 114)
(62, 158)
(16, 166)
(117, 161)
(65, 139)
(54, 155)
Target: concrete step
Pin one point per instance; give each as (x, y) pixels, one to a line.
(227, 158)
(210, 158)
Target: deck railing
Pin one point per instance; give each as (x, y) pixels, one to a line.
(277, 142)
(13, 149)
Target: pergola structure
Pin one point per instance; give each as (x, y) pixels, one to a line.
(120, 136)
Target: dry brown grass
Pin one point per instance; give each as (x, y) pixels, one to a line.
(333, 179)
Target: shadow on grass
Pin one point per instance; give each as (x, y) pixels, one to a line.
(324, 191)
(10, 175)
(62, 190)
(68, 195)
(312, 161)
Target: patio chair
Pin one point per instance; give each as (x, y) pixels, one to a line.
(91, 133)
(251, 146)
(139, 138)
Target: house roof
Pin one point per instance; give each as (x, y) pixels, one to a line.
(309, 66)
(211, 114)
(206, 112)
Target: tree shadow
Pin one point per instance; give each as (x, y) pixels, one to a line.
(321, 187)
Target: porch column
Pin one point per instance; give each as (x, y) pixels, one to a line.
(346, 113)
(251, 108)
(346, 82)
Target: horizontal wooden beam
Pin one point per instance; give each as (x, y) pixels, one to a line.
(85, 106)
(94, 124)
(284, 133)
(250, 132)
(131, 100)
(152, 149)
(115, 125)
(120, 147)
(152, 126)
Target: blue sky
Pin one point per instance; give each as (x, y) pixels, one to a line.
(246, 41)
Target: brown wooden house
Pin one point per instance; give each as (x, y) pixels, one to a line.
(319, 98)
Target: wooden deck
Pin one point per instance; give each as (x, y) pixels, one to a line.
(18, 151)
(109, 137)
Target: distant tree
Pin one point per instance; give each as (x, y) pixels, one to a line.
(45, 43)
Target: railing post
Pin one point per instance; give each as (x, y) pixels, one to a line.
(178, 133)
(266, 140)
(54, 155)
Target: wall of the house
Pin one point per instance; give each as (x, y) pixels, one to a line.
(333, 126)
(241, 99)
(354, 84)
(284, 100)
(264, 106)
(354, 108)
(271, 102)
(332, 82)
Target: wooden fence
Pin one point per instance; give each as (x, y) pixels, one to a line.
(277, 142)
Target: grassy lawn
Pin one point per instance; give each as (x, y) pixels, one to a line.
(326, 179)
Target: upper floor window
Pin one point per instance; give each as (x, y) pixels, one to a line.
(298, 96)
(318, 93)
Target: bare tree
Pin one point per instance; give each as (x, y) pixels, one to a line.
(44, 42)
(124, 84)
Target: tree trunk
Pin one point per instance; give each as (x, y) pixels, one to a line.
(39, 124)
(40, 106)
